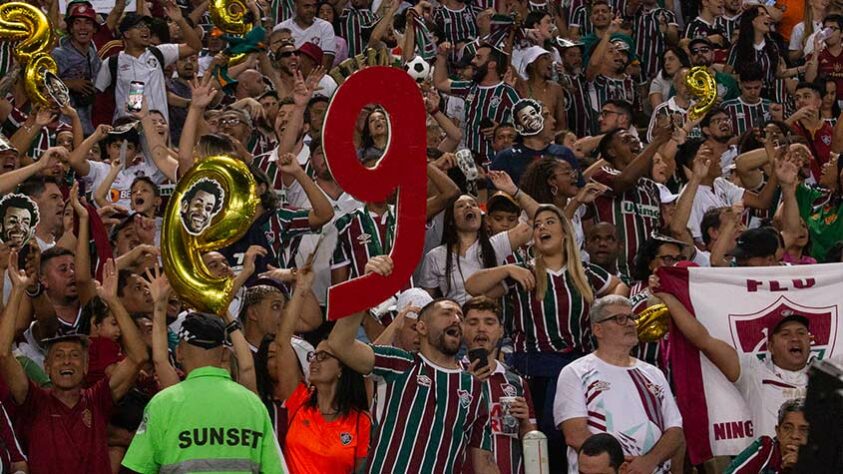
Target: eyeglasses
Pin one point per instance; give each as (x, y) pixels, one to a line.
(606, 113)
(320, 356)
(230, 122)
(287, 54)
(700, 50)
(670, 259)
(719, 120)
(620, 319)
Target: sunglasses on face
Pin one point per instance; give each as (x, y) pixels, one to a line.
(700, 50)
(288, 54)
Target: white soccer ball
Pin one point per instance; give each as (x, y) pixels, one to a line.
(418, 69)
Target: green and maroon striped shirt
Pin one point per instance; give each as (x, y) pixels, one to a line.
(361, 236)
(432, 416)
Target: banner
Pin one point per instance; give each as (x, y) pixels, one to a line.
(736, 306)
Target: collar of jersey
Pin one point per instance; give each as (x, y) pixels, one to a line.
(208, 371)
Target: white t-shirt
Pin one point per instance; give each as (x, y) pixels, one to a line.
(121, 189)
(634, 404)
(722, 193)
(765, 387)
(798, 32)
(433, 273)
(144, 68)
(320, 33)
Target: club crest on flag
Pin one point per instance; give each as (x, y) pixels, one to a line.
(750, 331)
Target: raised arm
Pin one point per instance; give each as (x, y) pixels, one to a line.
(288, 371)
(78, 158)
(748, 166)
(440, 72)
(123, 377)
(721, 246)
(101, 193)
(113, 18)
(502, 181)
(384, 24)
(679, 223)
(595, 63)
(787, 172)
(343, 339)
(157, 147)
(488, 281)
(453, 133)
(321, 211)
(10, 180)
(641, 165)
(159, 287)
(245, 360)
(203, 94)
(84, 280)
(76, 123)
(192, 43)
(10, 368)
(721, 354)
(446, 190)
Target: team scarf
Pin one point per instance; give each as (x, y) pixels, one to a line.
(738, 305)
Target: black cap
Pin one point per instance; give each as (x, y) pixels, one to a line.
(760, 242)
(203, 330)
(787, 316)
(700, 40)
(131, 19)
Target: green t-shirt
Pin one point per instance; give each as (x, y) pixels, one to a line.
(207, 423)
(821, 210)
(729, 83)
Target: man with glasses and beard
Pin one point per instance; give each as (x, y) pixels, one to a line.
(702, 54)
(436, 414)
(488, 99)
(609, 391)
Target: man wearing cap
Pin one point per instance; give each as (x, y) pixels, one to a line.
(488, 99)
(310, 57)
(536, 82)
(609, 391)
(178, 435)
(606, 71)
(140, 62)
(509, 419)
(764, 385)
(306, 28)
(77, 60)
(702, 54)
(66, 426)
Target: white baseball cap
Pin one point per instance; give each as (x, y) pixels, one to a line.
(413, 297)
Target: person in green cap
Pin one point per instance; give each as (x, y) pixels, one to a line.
(208, 422)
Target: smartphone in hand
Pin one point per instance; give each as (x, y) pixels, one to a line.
(479, 354)
(134, 103)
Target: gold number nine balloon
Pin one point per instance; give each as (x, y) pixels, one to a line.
(230, 17)
(701, 84)
(27, 24)
(652, 323)
(212, 207)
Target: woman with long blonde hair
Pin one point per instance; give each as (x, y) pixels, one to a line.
(815, 11)
(547, 308)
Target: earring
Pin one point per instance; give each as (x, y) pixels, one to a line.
(553, 190)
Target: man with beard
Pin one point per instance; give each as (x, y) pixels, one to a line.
(538, 65)
(488, 99)
(606, 71)
(432, 406)
(728, 21)
(702, 54)
(584, 23)
(77, 60)
(601, 243)
(179, 94)
(765, 385)
(575, 87)
(632, 204)
(483, 329)
(307, 28)
(601, 387)
(47, 196)
(18, 215)
(200, 204)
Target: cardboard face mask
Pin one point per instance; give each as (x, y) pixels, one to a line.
(201, 203)
(528, 117)
(18, 218)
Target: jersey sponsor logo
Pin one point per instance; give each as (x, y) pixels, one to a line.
(750, 331)
(465, 398)
(629, 207)
(345, 438)
(364, 239)
(423, 380)
(219, 436)
(509, 390)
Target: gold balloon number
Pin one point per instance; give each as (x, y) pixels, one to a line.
(182, 250)
(229, 16)
(701, 84)
(652, 323)
(26, 23)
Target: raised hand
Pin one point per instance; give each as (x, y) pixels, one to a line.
(288, 164)
(284, 275)
(17, 276)
(380, 264)
(80, 209)
(107, 291)
(502, 181)
(252, 254)
(202, 93)
(158, 285)
(588, 193)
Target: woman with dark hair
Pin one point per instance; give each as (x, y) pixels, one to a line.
(375, 134)
(658, 251)
(673, 59)
(466, 247)
(327, 425)
(756, 45)
(548, 300)
(830, 109)
(327, 11)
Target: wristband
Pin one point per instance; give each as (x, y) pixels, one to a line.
(232, 326)
(517, 192)
(34, 294)
(434, 112)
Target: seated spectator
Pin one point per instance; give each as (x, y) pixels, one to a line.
(601, 453)
(779, 453)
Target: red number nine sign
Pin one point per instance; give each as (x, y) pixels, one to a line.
(402, 167)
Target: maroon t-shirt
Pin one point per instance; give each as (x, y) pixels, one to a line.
(66, 440)
(102, 352)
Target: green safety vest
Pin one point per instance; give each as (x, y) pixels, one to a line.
(207, 423)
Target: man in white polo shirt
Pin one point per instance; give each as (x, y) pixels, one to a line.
(306, 28)
(138, 62)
